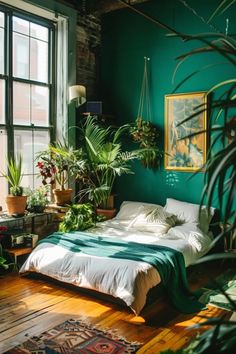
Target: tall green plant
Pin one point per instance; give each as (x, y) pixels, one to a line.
(106, 159)
(14, 175)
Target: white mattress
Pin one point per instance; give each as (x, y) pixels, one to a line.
(126, 279)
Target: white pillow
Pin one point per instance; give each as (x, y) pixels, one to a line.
(193, 235)
(156, 220)
(129, 210)
(189, 213)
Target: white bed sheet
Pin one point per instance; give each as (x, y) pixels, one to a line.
(126, 279)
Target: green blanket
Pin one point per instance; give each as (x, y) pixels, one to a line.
(168, 262)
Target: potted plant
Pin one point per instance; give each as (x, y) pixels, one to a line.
(145, 133)
(55, 165)
(105, 159)
(16, 201)
(37, 200)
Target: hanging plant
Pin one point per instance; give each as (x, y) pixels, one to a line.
(146, 135)
(144, 131)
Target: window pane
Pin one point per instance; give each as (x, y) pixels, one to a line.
(20, 56)
(40, 106)
(3, 167)
(3, 192)
(28, 144)
(39, 32)
(2, 101)
(38, 60)
(1, 19)
(20, 26)
(21, 103)
(3, 144)
(31, 181)
(1, 51)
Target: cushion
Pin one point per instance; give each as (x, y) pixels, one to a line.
(156, 220)
(129, 209)
(189, 213)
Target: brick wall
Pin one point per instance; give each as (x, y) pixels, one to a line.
(88, 54)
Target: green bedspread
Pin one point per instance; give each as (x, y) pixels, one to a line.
(168, 262)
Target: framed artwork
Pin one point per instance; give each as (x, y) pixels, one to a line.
(184, 152)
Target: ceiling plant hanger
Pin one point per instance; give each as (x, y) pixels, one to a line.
(144, 131)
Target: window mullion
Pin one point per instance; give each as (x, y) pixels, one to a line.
(9, 88)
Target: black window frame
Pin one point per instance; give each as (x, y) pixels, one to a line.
(8, 126)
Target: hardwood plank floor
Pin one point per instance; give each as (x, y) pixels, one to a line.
(29, 306)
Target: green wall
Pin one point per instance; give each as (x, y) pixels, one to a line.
(126, 39)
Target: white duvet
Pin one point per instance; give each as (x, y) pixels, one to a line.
(126, 279)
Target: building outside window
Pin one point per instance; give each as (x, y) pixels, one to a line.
(27, 91)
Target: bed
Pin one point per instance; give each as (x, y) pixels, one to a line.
(178, 226)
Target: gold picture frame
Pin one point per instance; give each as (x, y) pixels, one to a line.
(185, 154)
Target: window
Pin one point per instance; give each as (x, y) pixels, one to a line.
(27, 87)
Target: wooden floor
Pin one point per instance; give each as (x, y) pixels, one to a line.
(30, 306)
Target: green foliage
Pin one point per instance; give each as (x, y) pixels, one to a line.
(146, 134)
(58, 163)
(220, 169)
(78, 217)
(37, 199)
(105, 159)
(14, 175)
(3, 261)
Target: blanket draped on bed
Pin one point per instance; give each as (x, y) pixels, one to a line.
(168, 262)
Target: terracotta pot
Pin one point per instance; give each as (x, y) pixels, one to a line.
(111, 201)
(16, 204)
(62, 197)
(108, 213)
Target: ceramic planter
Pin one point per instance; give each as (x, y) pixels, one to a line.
(108, 213)
(16, 205)
(62, 197)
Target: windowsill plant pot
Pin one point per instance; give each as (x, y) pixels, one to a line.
(62, 197)
(16, 205)
(16, 201)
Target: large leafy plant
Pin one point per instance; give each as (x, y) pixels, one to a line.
(106, 158)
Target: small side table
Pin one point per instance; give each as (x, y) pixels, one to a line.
(16, 252)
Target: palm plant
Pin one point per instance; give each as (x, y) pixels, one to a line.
(220, 168)
(106, 159)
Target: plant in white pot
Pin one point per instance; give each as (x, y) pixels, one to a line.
(16, 201)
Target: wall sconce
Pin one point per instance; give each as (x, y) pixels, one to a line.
(77, 93)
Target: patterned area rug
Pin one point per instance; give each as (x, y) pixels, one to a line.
(75, 336)
(212, 295)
